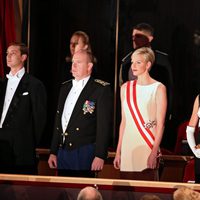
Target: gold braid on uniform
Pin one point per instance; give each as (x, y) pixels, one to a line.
(101, 82)
(66, 81)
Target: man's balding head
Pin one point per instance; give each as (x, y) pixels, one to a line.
(89, 193)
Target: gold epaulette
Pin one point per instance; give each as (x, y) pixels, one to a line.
(101, 82)
(66, 81)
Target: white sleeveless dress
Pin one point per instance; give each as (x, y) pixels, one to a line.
(135, 150)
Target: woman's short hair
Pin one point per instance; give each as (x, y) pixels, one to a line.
(147, 53)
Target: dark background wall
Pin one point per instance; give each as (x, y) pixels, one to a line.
(54, 21)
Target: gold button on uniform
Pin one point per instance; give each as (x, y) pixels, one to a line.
(77, 129)
(70, 144)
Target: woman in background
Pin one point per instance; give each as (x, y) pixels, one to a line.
(79, 40)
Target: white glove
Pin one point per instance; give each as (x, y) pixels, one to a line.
(191, 141)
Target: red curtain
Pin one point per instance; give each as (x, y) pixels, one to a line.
(7, 30)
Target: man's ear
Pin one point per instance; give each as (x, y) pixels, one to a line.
(90, 66)
(85, 47)
(150, 38)
(24, 57)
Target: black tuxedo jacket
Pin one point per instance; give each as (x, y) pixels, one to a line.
(88, 128)
(24, 122)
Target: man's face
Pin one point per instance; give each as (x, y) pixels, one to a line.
(14, 58)
(141, 38)
(81, 66)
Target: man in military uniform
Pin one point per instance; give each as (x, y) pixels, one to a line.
(83, 123)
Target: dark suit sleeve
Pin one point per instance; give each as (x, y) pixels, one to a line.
(104, 121)
(56, 134)
(57, 126)
(38, 100)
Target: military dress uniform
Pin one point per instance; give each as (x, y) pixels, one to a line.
(88, 130)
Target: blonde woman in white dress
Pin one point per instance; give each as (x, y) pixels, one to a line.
(143, 108)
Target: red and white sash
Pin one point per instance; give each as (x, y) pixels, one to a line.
(137, 117)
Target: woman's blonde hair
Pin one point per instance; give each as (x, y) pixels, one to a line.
(147, 53)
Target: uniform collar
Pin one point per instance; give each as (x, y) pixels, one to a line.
(80, 83)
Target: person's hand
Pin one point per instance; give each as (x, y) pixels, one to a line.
(152, 161)
(97, 164)
(52, 161)
(117, 161)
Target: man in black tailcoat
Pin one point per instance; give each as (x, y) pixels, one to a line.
(22, 114)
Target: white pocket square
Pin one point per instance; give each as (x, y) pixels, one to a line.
(25, 93)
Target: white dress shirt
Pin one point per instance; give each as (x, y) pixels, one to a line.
(13, 82)
(71, 100)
